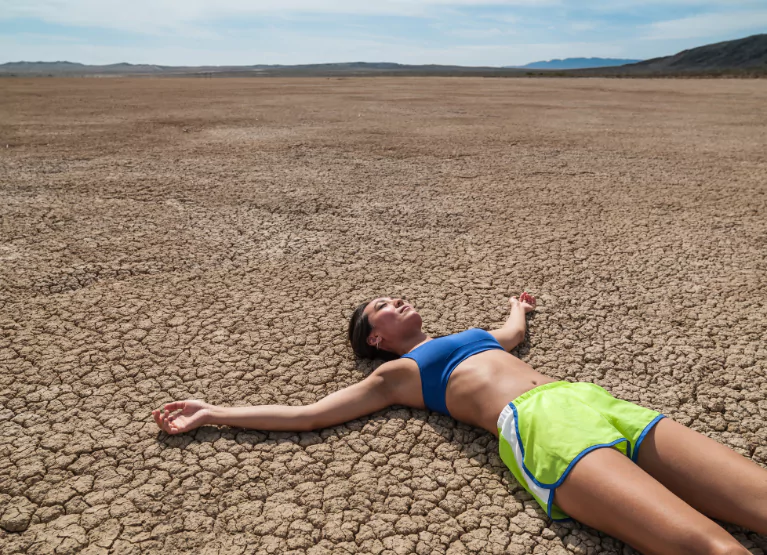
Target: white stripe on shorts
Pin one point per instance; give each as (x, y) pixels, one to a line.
(506, 422)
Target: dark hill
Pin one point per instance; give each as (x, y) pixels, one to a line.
(747, 53)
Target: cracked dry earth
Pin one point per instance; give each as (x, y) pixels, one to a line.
(169, 239)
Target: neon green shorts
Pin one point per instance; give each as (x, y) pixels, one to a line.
(545, 431)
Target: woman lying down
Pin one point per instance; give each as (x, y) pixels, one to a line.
(581, 453)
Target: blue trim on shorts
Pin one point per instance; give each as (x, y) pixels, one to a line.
(548, 509)
(586, 451)
(567, 471)
(572, 463)
(635, 453)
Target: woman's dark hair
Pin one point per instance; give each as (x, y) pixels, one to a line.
(359, 330)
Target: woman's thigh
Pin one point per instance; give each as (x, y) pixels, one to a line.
(607, 491)
(706, 474)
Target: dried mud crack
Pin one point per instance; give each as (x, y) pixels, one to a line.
(166, 239)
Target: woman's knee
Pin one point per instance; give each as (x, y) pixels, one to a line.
(723, 547)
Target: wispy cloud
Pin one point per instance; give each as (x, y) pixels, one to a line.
(481, 34)
(584, 25)
(618, 5)
(708, 24)
(175, 15)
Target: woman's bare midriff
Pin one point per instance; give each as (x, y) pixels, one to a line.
(480, 387)
(484, 383)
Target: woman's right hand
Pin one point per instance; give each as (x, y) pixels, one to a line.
(193, 414)
(525, 301)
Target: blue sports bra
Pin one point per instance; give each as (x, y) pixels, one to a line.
(438, 358)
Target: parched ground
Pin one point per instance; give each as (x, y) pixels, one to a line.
(202, 238)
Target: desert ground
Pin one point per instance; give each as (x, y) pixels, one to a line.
(165, 239)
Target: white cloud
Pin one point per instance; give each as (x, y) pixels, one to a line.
(707, 25)
(195, 18)
(480, 34)
(164, 12)
(617, 6)
(582, 26)
(153, 15)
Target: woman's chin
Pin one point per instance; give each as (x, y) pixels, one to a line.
(413, 320)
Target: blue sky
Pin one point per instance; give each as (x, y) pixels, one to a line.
(462, 32)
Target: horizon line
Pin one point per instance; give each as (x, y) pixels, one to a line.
(314, 63)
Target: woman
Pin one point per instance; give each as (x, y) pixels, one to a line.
(572, 446)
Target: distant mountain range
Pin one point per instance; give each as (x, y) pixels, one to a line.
(72, 68)
(577, 63)
(347, 69)
(747, 56)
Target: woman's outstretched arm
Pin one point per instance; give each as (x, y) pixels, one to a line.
(372, 394)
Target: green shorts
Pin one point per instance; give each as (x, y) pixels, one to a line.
(545, 431)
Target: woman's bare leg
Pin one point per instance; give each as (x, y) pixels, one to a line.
(607, 491)
(709, 476)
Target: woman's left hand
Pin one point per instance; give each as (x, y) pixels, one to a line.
(526, 301)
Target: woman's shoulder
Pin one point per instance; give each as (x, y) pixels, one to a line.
(402, 374)
(395, 365)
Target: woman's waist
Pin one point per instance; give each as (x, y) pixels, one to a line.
(504, 379)
(481, 399)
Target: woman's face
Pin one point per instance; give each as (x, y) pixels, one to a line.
(390, 316)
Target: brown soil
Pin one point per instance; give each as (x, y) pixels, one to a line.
(170, 239)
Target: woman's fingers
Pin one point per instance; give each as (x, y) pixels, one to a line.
(161, 419)
(172, 426)
(175, 405)
(158, 417)
(523, 298)
(169, 423)
(174, 423)
(164, 420)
